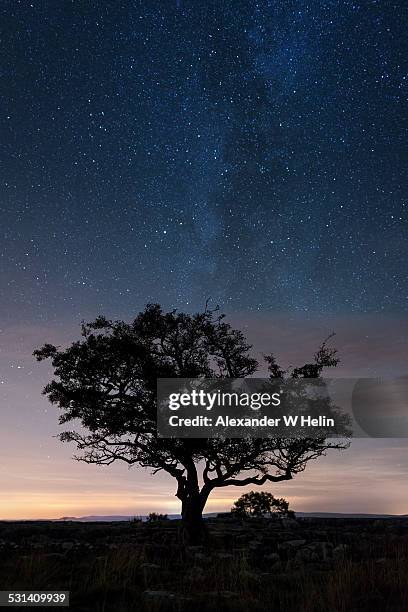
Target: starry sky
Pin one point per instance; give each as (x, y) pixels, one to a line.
(249, 152)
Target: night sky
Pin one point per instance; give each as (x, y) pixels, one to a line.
(249, 152)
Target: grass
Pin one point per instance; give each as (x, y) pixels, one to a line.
(371, 576)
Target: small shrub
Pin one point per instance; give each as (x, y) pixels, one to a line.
(154, 517)
(136, 519)
(259, 504)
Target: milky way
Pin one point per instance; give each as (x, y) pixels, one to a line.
(250, 152)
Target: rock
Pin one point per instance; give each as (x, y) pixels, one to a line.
(322, 549)
(222, 537)
(222, 595)
(289, 523)
(272, 558)
(225, 601)
(192, 550)
(340, 551)
(53, 555)
(224, 556)
(160, 600)
(249, 577)
(304, 555)
(241, 552)
(292, 544)
(242, 538)
(150, 570)
(277, 567)
(201, 558)
(159, 595)
(294, 565)
(196, 574)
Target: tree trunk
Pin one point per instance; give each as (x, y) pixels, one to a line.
(193, 527)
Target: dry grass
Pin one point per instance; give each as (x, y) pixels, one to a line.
(371, 578)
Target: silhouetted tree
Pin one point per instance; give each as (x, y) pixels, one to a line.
(106, 383)
(261, 503)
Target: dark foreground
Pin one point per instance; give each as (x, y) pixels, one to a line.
(259, 565)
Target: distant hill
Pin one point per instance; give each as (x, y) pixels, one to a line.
(346, 515)
(119, 517)
(110, 518)
(92, 518)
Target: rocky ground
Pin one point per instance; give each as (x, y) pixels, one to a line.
(258, 564)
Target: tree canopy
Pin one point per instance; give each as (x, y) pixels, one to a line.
(260, 504)
(105, 385)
